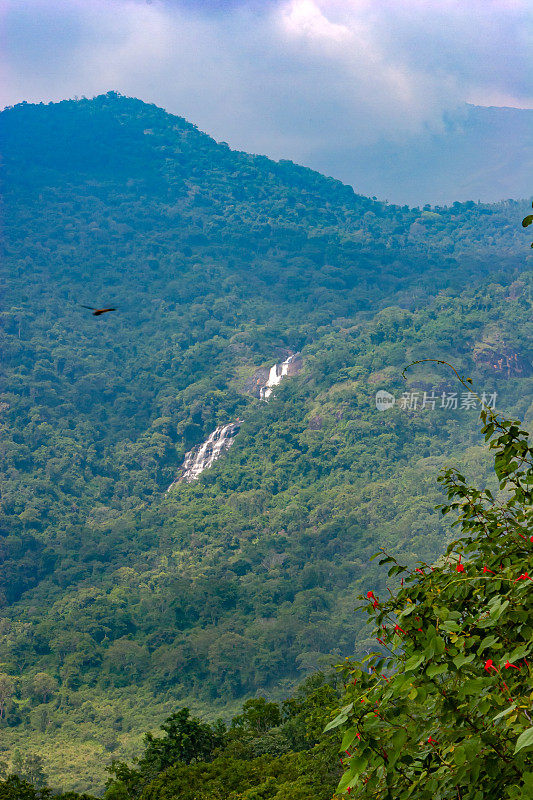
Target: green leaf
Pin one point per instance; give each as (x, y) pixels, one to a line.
(473, 686)
(348, 738)
(357, 765)
(488, 641)
(527, 777)
(519, 653)
(459, 755)
(413, 662)
(504, 712)
(435, 669)
(440, 645)
(345, 780)
(339, 719)
(399, 739)
(497, 609)
(461, 660)
(524, 740)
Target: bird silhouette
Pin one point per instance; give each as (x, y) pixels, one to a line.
(98, 311)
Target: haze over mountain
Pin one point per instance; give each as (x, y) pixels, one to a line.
(120, 601)
(480, 154)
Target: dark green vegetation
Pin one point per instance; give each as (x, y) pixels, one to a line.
(121, 604)
(444, 710)
(268, 751)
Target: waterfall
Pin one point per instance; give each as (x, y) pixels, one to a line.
(276, 374)
(220, 440)
(204, 455)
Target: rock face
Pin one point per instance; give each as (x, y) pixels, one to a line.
(498, 357)
(255, 383)
(291, 366)
(204, 455)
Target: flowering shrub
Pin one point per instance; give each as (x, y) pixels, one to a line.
(443, 709)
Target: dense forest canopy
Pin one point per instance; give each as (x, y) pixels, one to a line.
(119, 601)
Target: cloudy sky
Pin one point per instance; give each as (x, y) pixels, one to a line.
(278, 77)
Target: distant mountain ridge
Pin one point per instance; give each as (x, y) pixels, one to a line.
(482, 153)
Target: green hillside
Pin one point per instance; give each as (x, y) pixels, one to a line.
(120, 602)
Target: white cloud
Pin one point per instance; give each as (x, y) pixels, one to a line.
(304, 18)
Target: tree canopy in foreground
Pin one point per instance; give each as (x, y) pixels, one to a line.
(443, 709)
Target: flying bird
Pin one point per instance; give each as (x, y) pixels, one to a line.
(98, 311)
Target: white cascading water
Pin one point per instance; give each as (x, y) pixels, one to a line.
(204, 456)
(275, 376)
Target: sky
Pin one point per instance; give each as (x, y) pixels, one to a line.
(284, 77)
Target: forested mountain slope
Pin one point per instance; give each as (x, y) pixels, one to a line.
(120, 600)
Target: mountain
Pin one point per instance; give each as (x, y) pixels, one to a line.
(121, 601)
(479, 153)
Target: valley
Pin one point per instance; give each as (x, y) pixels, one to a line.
(141, 572)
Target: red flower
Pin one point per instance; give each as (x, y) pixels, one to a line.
(459, 568)
(431, 740)
(531, 538)
(358, 735)
(508, 665)
(398, 629)
(489, 664)
(486, 569)
(372, 596)
(523, 577)
(420, 570)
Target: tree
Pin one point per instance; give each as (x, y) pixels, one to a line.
(444, 707)
(186, 740)
(15, 788)
(43, 686)
(7, 688)
(29, 768)
(257, 716)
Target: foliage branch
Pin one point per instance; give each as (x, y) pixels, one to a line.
(443, 708)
